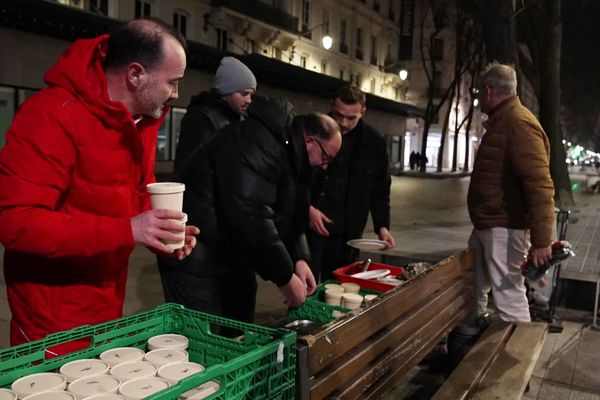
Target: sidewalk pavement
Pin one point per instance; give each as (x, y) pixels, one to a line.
(429, 222)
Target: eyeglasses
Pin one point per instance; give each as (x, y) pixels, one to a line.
(324, 155)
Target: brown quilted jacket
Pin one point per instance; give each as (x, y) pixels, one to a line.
(510, 183)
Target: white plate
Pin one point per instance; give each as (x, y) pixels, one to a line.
(367, 244)
(373, 274)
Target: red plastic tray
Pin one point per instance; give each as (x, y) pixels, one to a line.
(343, 275)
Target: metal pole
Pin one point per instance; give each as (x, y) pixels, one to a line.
(594, 325)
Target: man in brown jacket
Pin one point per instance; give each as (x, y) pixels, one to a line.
(510, 196)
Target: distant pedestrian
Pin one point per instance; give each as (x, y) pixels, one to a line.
(417, 160)
(411, 160)
(511, 196)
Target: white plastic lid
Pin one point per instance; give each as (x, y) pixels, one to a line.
(53, 395)
(120, 355)
(93, 385)
(7, 394)
(166, 356)
(168, 341)
(175, 372)
(35, 383)
(202, 391)
(87, 367)
(133, 370)
(165, 187)
(106, 396)
(143, 387)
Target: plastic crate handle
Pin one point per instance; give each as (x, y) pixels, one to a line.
(69, 341)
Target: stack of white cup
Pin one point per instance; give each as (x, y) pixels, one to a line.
(345, 295)
(168, 195)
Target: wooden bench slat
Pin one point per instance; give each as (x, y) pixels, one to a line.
(463, 380)
(509, 374)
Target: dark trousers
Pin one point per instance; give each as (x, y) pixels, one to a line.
(211, 282)
(329, 254)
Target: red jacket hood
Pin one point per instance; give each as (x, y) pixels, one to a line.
(79, 70)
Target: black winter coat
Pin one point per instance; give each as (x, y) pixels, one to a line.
(369, 183)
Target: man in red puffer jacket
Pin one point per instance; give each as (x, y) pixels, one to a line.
(73, 174)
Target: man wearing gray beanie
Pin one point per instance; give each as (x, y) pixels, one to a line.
(198, 283)
(226, 102)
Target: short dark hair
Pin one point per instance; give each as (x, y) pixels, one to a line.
(316, 124)
(350, 94)
(139, 40)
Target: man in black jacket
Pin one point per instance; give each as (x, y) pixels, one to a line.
(226, 102)
(357, 182)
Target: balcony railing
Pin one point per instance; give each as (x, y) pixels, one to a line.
(262, 12)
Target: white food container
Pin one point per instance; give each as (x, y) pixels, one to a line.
(87, 367)
(133, 370)
(94, 385)
(166, 356)
(136, 389)
(35, 383)
(175, 372)
(120, 355)
(107, 396)
(168, 341)
(202, 391)
(54, 395)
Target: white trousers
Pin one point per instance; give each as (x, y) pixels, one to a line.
(499, 253)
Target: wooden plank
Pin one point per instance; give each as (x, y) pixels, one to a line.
(344, 335)
(465, 378)
(509, 374)
(399, 359)
(356, 361)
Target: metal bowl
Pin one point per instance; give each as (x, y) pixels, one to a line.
(303, 326)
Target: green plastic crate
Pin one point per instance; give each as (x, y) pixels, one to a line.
(259, 365)
(315, 308)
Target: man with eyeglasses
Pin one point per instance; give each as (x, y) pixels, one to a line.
(357, 181)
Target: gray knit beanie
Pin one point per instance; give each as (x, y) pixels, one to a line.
(233, 76)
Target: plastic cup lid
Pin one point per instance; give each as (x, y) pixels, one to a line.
(93, 385)
(165, 187)
(352, 297)
(166, 356)
(120, 355)
(36, 383)
(133, 370)
(7, 394)
(142, 387)
(177, 371)
(87, 367)
(52, 395)
(105, 396)
(202, 391)
(168, 341)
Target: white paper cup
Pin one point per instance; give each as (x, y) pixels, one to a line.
(107, 396)
(161, 357)
(352, 300)
(333, 297)
(166, 195)
(168, 341)
(202, 391)
(119, 355)
(133, 370)
(350, 287)
(94, 385)
(87, 367)
(36, 383)
(140, 388)
(53, 395)
(7, 394)
(333, 286)
(175, 372)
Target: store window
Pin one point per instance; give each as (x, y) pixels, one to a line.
(168, 134)
(99, 7)
(143, 8)
(180, 19)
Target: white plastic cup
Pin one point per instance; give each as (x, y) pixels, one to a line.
(94, 385)
(202, 391)
(350, 287)
(175, 372)
(7, 394)
(86, 367)
(53, 395)
(168, 195)
(168, 341)
(141, 388)
(133, 370)
(120, 355)
(161, 357)
(333, 297)
(351, 300)
(36, 383)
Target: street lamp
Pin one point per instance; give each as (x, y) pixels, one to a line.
(403, 74)
(327, 42)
